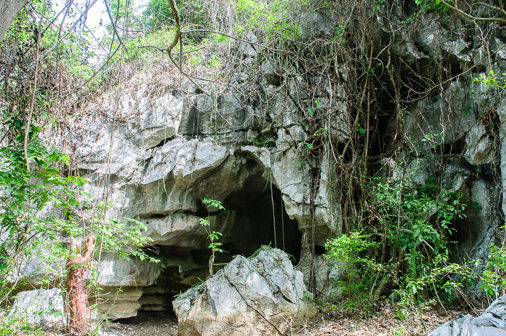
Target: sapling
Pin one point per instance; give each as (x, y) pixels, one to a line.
(213, 236)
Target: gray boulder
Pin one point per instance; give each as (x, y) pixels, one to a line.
(491, 323)
(262, 295)
(40, 307)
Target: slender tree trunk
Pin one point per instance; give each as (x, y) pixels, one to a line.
(76, 286)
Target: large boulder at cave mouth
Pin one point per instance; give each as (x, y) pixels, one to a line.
(491, 323)
(260, 295)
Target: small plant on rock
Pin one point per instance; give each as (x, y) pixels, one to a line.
(213, 236)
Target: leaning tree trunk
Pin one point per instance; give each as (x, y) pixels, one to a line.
(76, 286)
(8, 11)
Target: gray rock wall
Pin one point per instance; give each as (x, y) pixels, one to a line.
(157, 150)
(165, 150)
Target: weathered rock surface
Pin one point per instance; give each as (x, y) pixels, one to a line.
(40, 307)
(160, 148)
(491, 323)
(163, 151)
(263, 295)
(117, 303)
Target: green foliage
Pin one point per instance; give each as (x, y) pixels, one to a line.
(493, 279)
(360, 129)
(444, 280)
(378, 5)
(272, 17)
(262, 141)
(35, 203)
(214, 62)
(423, 7)
(158, 15)
(340, 31)
(406, 247)
(436, 5)
(213, 236)
(62, 51)
(41, 208)
(398, 331)
(213, 204)
(123, 237)
(418, 221)
(308, 145)
(16, 326)
(320, 131)
(492, 81)
(351, 252)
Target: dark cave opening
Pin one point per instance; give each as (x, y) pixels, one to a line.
(181, 269)
(257, 217)
(462, 240)
(254, 216)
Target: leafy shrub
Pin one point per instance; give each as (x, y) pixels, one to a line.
(42, 208)
(405, 247)
(493, 279)
(272, 17)
(351, 252)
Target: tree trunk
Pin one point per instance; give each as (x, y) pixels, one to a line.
(8, 11)
(76, 286)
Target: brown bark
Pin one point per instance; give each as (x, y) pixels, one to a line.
(76, 287)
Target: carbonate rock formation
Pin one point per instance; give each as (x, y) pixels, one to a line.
(262, 295)
(492, 322)
(156, 147)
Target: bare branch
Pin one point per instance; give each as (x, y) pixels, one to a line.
(113, 23)
(88, 6)
(177, 38)
(32, 102)
(501, 9)
(165, 50)
(473, 18)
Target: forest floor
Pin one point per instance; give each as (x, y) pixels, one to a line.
(328, 321)
(384, 322)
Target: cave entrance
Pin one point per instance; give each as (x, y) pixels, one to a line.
(256, 216)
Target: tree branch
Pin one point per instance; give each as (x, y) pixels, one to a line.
(32, 102)
(177, 39)
(473, 18)
(501, 9)
(113, 24)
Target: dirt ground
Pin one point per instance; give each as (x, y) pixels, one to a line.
(384, 322)
(145, 324)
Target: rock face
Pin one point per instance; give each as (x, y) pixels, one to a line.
(163, 151)
(163, 147)
(157, 147)
(263, 295)
(40, 307)
(491, 323)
